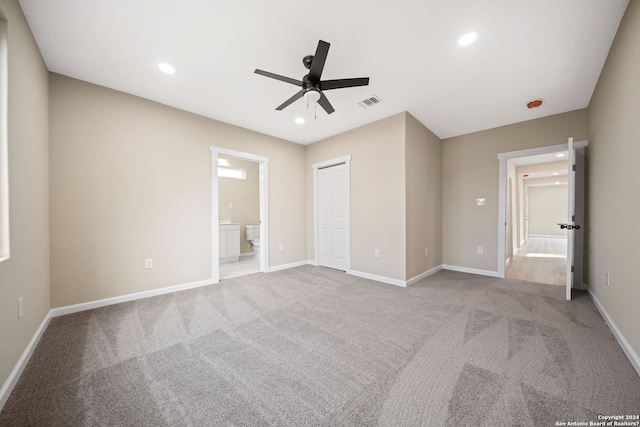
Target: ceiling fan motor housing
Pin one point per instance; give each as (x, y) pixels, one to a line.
(307, 60)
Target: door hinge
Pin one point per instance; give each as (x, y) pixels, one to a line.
(573, 168)
(573, 218)
(572, 268)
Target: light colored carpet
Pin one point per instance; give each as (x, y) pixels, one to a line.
(315, 347)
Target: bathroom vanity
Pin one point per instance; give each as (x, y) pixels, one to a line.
(229, 241)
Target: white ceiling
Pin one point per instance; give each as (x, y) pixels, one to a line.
(547, 49)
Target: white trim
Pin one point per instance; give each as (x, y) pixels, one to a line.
(626, 347)
(239, 154)
(215, 219)
(421, 276)
(377, 278)
(502, 192)
(264, 215)
(247, 254)
(287, 266)
(471, 270)
(316, 223)
(14, 376)
(549, 236)
(61, 311)
(5, 249)
(263, 163)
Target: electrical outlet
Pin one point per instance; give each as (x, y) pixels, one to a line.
(148, 263)
(426, 251)
(280, 246)
(480, 250)
(20, 307)
(608, 280)
(376, 253)
(230, 205)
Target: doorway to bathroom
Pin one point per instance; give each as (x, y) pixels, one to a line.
(239, 213)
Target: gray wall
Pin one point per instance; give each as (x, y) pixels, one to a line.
(423, 175)
(547, 207)
(26, 273)
(612, 180)
(131, 179)
(377, 194)
(470, 171)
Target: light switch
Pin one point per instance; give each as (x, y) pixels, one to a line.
(230, 205)
(480, 202)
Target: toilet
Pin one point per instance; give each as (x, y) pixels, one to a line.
(253, 236)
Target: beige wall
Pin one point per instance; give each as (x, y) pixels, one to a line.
(377, 193)
(244, 196)
(520, 171)
(131, 179)
(470, 171)
(26, 273)
(423, 183)
(612, 180)
(547, 207)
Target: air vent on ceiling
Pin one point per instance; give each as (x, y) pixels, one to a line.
(370, 102)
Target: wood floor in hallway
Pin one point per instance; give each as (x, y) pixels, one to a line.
(541, 260)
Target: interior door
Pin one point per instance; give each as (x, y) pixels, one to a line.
(332, 207)
(575, 220)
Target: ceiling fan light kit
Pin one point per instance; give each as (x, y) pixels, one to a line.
(312, 86)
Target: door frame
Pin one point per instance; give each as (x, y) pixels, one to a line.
(502, 191)
(346, 160)
(263, 174)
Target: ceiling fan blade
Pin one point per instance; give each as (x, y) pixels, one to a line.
(290, 101)
(324, 103)
(342, 83)
(279, 77)
(318, 61)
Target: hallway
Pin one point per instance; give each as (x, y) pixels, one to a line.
(541, 260)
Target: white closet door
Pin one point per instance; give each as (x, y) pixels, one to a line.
(332, 206)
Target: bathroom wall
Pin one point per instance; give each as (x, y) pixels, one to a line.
(244, 196)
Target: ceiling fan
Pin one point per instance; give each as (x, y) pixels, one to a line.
(312, 86)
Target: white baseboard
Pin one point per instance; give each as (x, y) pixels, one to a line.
(287, 266)
(423, 275)
(377, 278)
(508, 262)
(549, 236)
(247, 254)
(61, 311)
(470, 270)
(626, 347)
(11, 381)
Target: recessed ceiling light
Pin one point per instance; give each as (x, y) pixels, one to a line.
(555, 173)
(467, 39)
(557, 182)
(299, 120)
(167, 68)
(560, 155)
